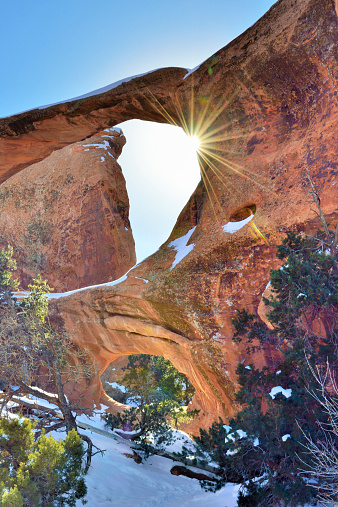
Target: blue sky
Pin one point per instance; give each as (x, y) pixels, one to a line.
(54, 50)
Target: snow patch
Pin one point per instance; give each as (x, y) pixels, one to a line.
(105, 145)
(278, 389)
(117, 386)
(231, 453)
(57, 295)
(190, 71)
(181, 247)
(113, 129)
(232, 227)
(144, 279)
(99, 90)
(285, 437)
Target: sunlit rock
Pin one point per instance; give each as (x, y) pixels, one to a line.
(67, 216)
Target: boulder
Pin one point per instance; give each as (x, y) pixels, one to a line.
(67, 216)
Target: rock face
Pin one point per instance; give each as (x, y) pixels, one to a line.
(265, 108)
(67, 216)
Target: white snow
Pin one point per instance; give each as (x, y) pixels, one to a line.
(278, 372)
(190, 71)
(117, 386)
(285, 437)
(278, 389)
(232, 437)
(301, 294)
(232, 227)
(57, 295)
(35, 388)
(99, 90)
(90, 94)
(113, 129)
(102, 159)
(248, 368)
(144, 279)
(242, 434)
(105, 145)
(256, 442)
(126, 229)
(181, 247)
(231, 453)
(116, 480)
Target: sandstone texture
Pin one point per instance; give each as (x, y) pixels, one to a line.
(67, 216)
(266, 110)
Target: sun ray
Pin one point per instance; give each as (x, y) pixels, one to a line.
(204, 137)
(230, 165)
(218, 173)
(206, 179)
(218, 110)
(259, 232)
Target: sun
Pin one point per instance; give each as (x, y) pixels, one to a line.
(194, 142)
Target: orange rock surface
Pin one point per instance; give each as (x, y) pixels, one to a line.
(266, 110)
(67, 216)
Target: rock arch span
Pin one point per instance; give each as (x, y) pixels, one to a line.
(267, 107)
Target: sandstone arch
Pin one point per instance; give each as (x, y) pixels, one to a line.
(268, 102)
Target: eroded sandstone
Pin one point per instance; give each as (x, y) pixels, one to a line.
(265, 108)
(68, 215)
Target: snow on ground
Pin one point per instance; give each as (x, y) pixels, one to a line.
(116, 480)
(181, 247)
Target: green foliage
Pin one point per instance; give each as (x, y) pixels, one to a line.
(7, 266)
(159, 392)
(42, 472)
(31, 351)
(263, 448)
(170, 383)
(36, 303)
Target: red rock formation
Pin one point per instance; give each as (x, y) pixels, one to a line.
(266, 110)
(67, 216)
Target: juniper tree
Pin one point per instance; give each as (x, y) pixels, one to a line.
(266, 446)
(39, 472)
(158, 392)
(33, 353)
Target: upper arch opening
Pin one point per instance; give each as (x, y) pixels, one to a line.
(161, 168)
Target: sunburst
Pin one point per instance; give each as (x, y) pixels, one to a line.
(205, 135)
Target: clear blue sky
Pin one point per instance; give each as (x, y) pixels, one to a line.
(54, 50)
